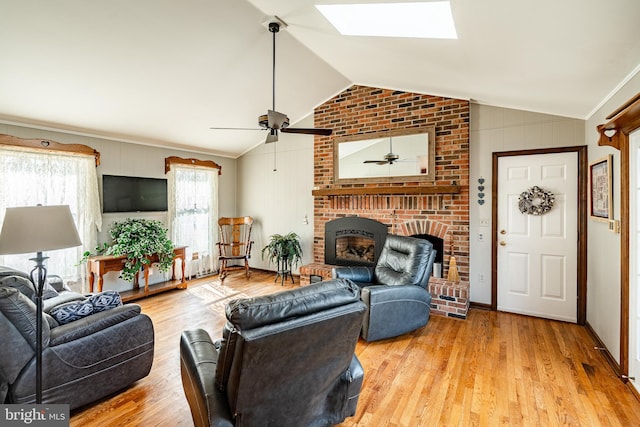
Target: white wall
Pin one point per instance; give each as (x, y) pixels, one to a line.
(280, 200)
(121, 158)
(494, 129)
(603, 274)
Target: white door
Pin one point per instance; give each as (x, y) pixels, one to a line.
(634, 254)
(537, 254)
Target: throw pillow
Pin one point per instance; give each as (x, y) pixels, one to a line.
(71, 311)
(74, 310)
(105, 300)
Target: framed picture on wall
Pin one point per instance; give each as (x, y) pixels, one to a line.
(601, 184)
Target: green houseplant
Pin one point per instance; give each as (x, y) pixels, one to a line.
(137, 239)
(283, 250)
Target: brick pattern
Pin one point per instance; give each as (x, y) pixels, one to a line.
(448, 298)
(361, 110)
(314, 269)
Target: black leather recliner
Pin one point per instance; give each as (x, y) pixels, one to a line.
(285, 359)
(396, 290)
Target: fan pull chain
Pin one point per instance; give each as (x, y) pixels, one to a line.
(275, 169)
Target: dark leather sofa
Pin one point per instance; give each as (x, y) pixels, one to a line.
(396, 290)
(285, 359)
(83, 360)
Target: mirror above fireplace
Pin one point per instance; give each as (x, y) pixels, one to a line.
(387, 156)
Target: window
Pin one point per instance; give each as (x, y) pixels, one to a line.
(193, 213)
(28, 178)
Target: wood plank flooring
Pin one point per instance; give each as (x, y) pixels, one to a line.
(491, 369)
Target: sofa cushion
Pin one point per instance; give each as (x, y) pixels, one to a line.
(15, 355)
(48, 291)
(20, 283)
(56, 283)
(20, 311)
(403, 260)
(8, 271)
(26, 287)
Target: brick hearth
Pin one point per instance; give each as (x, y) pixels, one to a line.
(360, 110)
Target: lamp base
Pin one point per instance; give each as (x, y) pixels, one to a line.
(38, 277)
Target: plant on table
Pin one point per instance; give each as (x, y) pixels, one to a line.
(137, 240)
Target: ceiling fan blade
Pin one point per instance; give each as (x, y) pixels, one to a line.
(377, 162)
(272, 136)
(216, 128)
(277, 120)
(309, 131)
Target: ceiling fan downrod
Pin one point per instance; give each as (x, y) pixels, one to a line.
(274, 27)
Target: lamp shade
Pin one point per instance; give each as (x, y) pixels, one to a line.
(38, 229)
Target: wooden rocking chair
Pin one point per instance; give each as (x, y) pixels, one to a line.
(235, 244)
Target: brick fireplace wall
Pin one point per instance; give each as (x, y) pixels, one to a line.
(361, 110)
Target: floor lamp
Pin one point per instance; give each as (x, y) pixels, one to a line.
(38, 229)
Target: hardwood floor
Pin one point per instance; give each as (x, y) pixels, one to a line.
(491, 369)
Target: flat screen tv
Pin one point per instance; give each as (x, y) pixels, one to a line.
(133, 194)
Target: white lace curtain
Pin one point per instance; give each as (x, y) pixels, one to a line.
(28, 178)
(193, 214)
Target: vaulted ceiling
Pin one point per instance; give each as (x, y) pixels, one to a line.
(164, 72)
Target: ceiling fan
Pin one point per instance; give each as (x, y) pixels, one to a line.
(275, 121)
(388, 158)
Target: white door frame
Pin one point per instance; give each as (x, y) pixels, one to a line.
(581, 248)
(634, 251)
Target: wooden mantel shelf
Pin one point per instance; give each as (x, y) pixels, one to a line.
(358, 191)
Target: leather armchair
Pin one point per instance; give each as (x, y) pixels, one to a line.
(396, 290)
(285, 359)
(83, 360)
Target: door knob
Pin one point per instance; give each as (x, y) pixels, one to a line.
(503, 243)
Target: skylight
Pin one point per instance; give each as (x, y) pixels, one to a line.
(431, 19)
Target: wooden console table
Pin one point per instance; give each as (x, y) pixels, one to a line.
(99, 265)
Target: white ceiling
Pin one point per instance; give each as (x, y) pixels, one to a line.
(164, 71)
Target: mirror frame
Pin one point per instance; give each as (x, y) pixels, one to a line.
(429, 176)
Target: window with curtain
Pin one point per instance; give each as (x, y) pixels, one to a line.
(193, 214)
(28, 178)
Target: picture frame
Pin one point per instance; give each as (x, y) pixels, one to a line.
(601, 189)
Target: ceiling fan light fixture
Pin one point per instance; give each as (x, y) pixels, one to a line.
(272, 136)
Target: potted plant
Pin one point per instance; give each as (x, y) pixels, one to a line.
(283, 251)
(137, 240)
